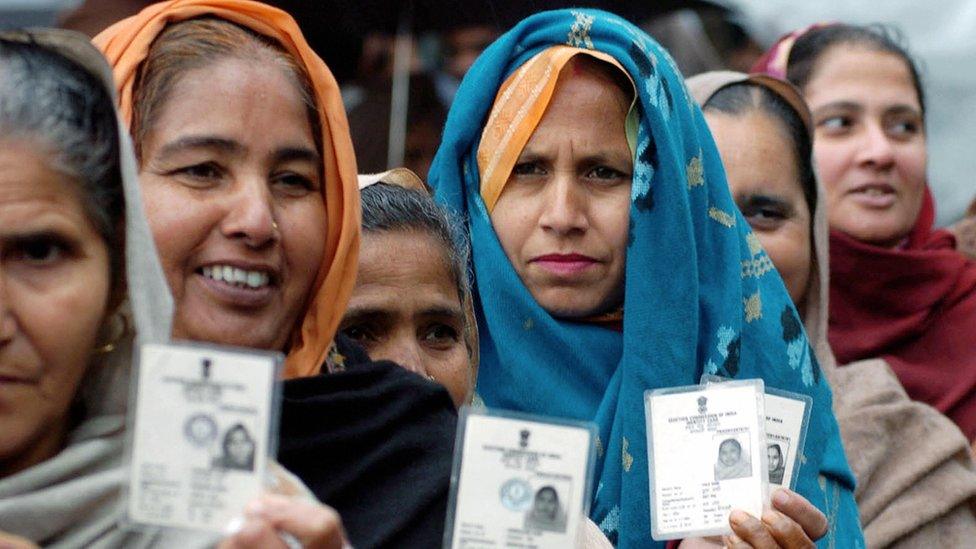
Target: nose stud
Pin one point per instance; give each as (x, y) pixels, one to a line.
(274, 224)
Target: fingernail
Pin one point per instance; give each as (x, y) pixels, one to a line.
(738, 517)
(781, 497)
(769, 517)
(735, 539)
(255, 507)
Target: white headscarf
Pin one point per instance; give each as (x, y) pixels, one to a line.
(74, 498)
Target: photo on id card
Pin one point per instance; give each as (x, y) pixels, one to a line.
(519, 480)
(707, 457)
(787, 417)
(201, 431)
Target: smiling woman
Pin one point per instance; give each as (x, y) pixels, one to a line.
(917, 308)
(250, 183)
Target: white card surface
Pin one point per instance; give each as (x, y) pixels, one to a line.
(787, 418)
(786, 421)
(201, 437)
(519, 483)
(707, 457)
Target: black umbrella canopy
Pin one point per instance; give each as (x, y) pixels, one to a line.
(335, 28)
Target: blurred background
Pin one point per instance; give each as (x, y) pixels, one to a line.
(399, 62)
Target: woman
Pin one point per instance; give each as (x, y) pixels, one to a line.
(261, 250)
(917, 309)
(916, 480)
(413, 307)
(70, 207)
(561, 334)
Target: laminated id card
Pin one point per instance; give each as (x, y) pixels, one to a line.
(519, 481)
(201, 434)
(707, 457)
(787, 417)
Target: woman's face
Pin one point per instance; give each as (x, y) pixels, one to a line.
(406, 308)
(232, 186)
(870, 143)
(240, 447)
(729, 454)
(761, 166)
(563, 216)
(774, 457)
(54, 290)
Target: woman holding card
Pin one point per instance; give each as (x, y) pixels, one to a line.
(576, 176)
(904, 454)
(70, 205)
(254, 206)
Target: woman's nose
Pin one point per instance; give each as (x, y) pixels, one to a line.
(564, 211)
(250, 214)
(877, 150)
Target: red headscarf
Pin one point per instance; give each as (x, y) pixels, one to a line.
(913, 306)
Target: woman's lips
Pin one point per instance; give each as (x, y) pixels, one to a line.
(564, 265)
(875, 195)
(235, 295)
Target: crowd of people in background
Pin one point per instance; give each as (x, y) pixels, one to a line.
(575, 223)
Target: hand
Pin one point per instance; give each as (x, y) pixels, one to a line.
(792, 523)
(10, 541)
(314, 525)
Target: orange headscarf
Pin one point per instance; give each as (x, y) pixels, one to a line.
(126, 45)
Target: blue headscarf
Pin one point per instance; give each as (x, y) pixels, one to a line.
(701, 295)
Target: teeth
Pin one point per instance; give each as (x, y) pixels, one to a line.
(237, 277)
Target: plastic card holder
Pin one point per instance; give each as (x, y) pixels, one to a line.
(519, 480)
(704, 460)
(787, 419)
(202, 429)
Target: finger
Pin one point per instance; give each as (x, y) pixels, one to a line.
(751, 531)
(785, 531)
(254, 533)
(796, 507)
(10, 541)
(735, 542)
(316, 526)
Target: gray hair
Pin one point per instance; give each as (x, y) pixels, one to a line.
(391, 208)
(68, 113)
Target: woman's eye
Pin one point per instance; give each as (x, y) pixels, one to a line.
(204, 171)
(606, 172)
(295, 183)
(764, 218)
(359, 332)
(39, 251)
(528, 168)
(905, 128)
(836, 123)
(440, 335)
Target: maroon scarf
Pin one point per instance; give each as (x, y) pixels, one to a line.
(915, 307)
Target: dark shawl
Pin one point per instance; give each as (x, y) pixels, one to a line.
(376, 443)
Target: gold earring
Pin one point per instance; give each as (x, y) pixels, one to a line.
(119, 336)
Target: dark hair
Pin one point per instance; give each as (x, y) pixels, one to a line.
(198, 43)
(237, 427)
(69, 113)
(736, 443)
(550, 489)
(391, 208)
(778, 449)
(809, 48)
(743, 97)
